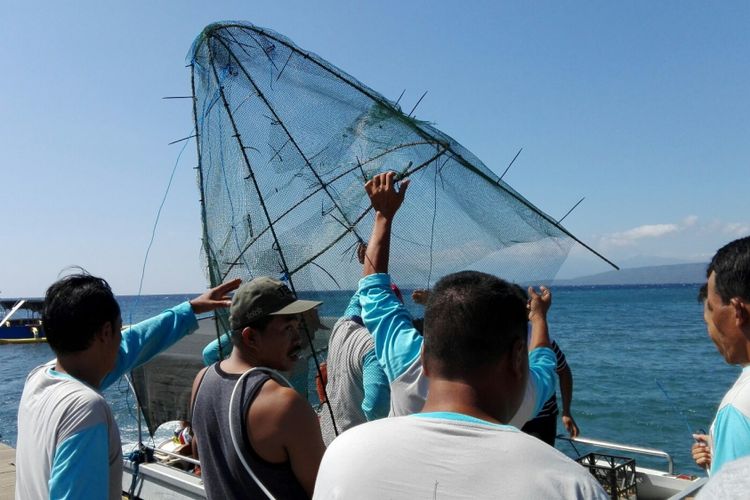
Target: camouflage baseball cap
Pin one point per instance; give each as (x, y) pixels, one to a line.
(264, 297)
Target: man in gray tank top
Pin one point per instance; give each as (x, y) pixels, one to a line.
(256, 436)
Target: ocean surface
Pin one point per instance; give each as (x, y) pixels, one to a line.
(622, 343)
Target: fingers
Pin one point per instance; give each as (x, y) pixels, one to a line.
(700, 439)
(227, 287)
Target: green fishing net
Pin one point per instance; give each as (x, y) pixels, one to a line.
(286, 141)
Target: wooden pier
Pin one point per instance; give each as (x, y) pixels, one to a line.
(7, 472)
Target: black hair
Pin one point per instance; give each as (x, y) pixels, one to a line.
(731, 265)
(471, 320)
(75, 309)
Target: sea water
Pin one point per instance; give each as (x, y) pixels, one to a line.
(621, 342)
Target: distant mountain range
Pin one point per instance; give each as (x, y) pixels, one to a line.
(649, 275)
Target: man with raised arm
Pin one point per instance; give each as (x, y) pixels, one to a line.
(398, 343)
(68, 440)
(256, 436)
(727, 316)
(453, 441)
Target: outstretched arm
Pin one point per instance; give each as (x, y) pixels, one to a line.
(143, 341)
(386, 201)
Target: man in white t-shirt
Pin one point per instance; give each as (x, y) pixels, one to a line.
(476, 358)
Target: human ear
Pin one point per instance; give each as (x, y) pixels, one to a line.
(250, 337)
(425, 367)
(105, 331)
(741, 313)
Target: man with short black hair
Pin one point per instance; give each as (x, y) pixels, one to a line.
(68, 440)
(476, 357)
(256, 436)
(727, 316)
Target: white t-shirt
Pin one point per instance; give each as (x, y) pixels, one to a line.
(448, 455)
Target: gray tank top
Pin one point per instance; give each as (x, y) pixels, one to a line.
(224, 476)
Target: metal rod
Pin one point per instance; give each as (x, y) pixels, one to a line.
(510, 164)
(399, 97)
(183, 139)
(417, 104)
(623, 447)
(573, 208)
(176, 455)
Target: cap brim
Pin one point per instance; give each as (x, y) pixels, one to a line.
(296, 307)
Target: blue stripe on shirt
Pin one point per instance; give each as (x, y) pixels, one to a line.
(542, 365)
(397, 342)
(731, 437)
(460, 417)
(80, 467)
(377, 392)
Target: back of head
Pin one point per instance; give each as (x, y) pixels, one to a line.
(731, 264)
(75, 308)
(472, 320)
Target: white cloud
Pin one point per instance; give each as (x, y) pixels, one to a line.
(630, 236)
(736, 229)
(689, 221)
(691, 227)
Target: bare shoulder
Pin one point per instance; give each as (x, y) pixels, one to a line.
(281, 403)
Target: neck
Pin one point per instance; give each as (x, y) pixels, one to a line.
(465, 397)
(239, 361)
(82, 366)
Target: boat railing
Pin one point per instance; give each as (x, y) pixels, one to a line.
(623, 447)
(184, 458)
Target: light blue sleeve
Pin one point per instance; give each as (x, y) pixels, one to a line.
(377, 399)
(143, 341)
(397, 342)
(543, 373)
(731, 437)
(353, 308)
(80, 467)
(211, 351)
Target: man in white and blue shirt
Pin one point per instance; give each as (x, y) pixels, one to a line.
(727, 316)
(453, 440)
(68, 440)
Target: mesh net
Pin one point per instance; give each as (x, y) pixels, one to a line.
(286, 141)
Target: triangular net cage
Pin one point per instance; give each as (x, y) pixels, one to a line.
(285, 144)
(286, 141)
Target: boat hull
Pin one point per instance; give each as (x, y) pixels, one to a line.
(22, 334)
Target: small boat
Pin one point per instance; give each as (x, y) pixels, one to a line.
(26, 329)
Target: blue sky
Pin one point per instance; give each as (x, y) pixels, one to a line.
(641, 107)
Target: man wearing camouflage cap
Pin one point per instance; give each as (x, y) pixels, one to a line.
(256, 436)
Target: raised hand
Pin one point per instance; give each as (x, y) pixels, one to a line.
(385, 198)
(215, 298)
(539, 303)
